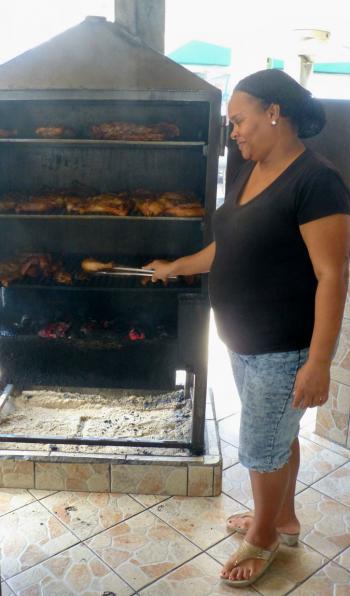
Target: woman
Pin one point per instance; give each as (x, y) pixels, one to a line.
(278, 282)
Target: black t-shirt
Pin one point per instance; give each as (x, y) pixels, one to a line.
(262, 284)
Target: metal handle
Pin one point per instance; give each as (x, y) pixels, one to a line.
(223, 136)
(129, 272)
(5, 395)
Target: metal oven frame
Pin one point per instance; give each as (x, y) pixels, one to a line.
(179, 237)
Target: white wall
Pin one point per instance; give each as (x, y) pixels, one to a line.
(28, 23)
(331, 86)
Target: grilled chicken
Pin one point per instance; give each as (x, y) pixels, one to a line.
(121, 204)
(74, 204)
(116, 204)
(150, 207)
(7, 205)
(170, 203)
(9, 201)
(110, 204)
(7, 133)
(168, 130)
(184, 210)
(91, 265)
(41, 204)
(9, 271)
(61, 276)
(127, 131)
(34, 265)
(54, 132)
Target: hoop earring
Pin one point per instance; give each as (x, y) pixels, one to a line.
(273, 122)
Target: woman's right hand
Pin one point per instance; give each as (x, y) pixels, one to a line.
(162, 269)
(199, 262)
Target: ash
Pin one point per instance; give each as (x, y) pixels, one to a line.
(88, 413)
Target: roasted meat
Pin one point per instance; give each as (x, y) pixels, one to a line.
(74, 204)
(184, 210)
(54, 132)
(150, 207)
(9, 201)
(168, 130)
(116, 204)
(34, 265)
(7, 205)
(127, 131)
(61, 276)
(9, 271)
(109, 204)
(91, 265)
(119, 204)
(6, 133)
(177, 197)
(41, 204)
(170, 203)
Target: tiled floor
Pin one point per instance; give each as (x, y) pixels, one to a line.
(71, 543)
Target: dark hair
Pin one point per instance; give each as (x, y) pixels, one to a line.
(296, 103)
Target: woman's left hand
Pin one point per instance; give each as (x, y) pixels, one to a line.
(311, 386)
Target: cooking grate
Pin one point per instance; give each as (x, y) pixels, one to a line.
(82, 281)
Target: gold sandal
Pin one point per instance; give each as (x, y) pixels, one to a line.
(288, 539)
(249, 551)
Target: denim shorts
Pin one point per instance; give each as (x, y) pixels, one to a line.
(269, 424)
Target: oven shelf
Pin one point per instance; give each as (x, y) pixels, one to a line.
(108, 143)
(85, 282)
(67, 216)
(86, 344)
(110, 286)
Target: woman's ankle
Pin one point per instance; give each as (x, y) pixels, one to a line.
(262, 537)
(290, 525)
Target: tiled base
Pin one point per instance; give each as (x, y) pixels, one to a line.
(143, 476)
(154, 475)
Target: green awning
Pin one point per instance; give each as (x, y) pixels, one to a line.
(202, 54)
(275, 63)
(333, 67)
(320, 67)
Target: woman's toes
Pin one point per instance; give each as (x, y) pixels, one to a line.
(226, 570)
(241, 574)
(233, 575)
(246, 573)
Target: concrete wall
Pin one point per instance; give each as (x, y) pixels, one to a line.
(333, 419)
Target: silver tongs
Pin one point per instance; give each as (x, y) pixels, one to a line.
(129, 271)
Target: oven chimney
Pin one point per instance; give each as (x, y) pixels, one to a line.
(143, 18)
